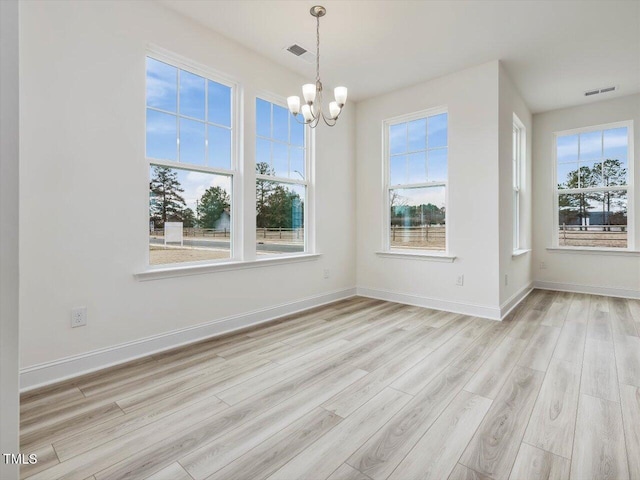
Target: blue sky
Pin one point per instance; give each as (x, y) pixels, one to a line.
(418, 153)
(207, 103)
(590, 148)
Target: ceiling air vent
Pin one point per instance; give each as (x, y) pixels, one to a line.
(300, 52)
(297, 50)
(588, 93)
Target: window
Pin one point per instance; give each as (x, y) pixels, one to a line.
(281, 180)
(416, 156)
(519, 136)
(189, 147)
(594, 187)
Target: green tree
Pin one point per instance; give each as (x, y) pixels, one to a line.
(166, 202)
(213, 202)
(264, 189)
(188, 218)
(284, 208)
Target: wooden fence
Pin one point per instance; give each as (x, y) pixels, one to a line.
(294, 234)
(593, 235)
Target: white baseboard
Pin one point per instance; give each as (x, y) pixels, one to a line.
(591, 289)
(51, 372)
(515, 299)
(484, 311)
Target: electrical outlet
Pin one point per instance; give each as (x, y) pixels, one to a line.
(460, 280)
(78, 317)
(326, 273)
(543, 266)
(506, 279)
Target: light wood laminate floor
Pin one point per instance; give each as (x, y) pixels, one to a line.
(363, 390)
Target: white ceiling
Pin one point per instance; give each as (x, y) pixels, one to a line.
(553, 50)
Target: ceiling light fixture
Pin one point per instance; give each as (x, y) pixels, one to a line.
(312, 93)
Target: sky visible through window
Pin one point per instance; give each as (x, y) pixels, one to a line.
(418, 154)
(188, 117)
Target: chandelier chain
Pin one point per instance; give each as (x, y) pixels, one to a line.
(317, 50)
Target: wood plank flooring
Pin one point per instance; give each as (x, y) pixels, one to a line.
(362, 390)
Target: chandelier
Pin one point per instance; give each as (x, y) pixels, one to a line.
(312, 92)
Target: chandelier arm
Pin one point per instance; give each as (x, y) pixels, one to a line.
(327, 123)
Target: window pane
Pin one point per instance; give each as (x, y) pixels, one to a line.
(297, 132)
(437, 166)
(219, 98)
(437, 130)
(567, 175)
(398, 170)
(417, 167)
(263, 118)
(567, 149)
(418, 135)
(615, 144)
(192, 142)
(398, 138)
(263, 157)
(296, 161)
(191, 95)
(590, 146)
(280, 159)
(595, 219)
(417, 218)
(162, 85)
(219, 147)
(162, 135)
(280, 123)
(279, 217)
(189, 216)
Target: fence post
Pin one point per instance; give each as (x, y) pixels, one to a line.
(393, 229)
(280, 228)
(426, 232)
(564, 232)
(225, 232)
(264, 232)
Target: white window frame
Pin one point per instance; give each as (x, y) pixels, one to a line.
(308, 182)
(519, 150)
(236, 252)
(555, 243)
(387, 187)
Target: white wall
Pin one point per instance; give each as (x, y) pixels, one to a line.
(83, 172)
(518, 269)
(613, 274)
(9, 400)
(471, 97)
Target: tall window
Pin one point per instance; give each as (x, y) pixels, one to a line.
(190, 152)
(416, 181)
(519, 133)
(281, 180)
(594, 187)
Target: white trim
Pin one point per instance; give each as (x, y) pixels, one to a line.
(69, 367)
(520, 252)
(198, 269)
(623, 252)
(419, 254)
(483, 311)
(589, 289)
(515, 299)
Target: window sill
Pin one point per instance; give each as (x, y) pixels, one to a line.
(520, 252)
(186, 270)
(430, 257)
(594, 251)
